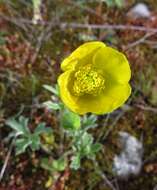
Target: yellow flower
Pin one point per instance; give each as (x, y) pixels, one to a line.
(95, 79)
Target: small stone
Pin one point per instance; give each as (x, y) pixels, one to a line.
(140, 10)
(129, 162)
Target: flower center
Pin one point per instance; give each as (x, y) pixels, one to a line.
(88, 81)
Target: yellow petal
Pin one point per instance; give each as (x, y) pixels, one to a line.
(112, 63)
(81, 52)
(64, 81)
(113, 97)
(110, 100)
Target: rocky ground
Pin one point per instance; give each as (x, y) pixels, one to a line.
(30, 55)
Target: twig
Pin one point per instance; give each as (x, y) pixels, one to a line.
(98, 170)
(103, 129)
(146, 108)
(150, 42)
(14, 21)
(155, 188)
(7, 159)
(116, 183)
(141, 40)
(113, 124)
(18, 23)
(64, 25)
(41, 39)
(107, 181)
(92, 26)
(108, 26)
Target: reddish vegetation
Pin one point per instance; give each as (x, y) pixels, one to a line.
(34, 53)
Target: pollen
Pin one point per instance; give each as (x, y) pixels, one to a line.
(88, 82)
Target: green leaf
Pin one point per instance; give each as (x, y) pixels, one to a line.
(24, 122)
(70, 120)
(21, 145)
(87, 139)
(60, 164)
(14, 125)
(47, 164)
(96, 147)
(89, 122)
(54, 165)
(119, 3)
(51, 105)
(35, 142)
(75, 162)
(83, 144)
(2, 41)
(42, 129)
(26, 137)
(2, 37)
(111, 3)
(36, 3)
(20, 126)
(51, 89)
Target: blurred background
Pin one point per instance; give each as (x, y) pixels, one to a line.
(35, 36)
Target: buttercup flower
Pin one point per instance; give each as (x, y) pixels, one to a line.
(95, 79)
